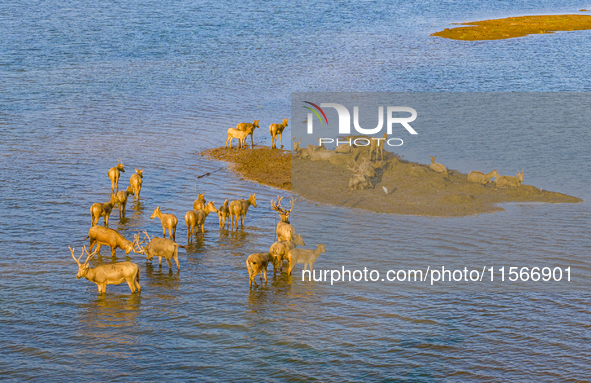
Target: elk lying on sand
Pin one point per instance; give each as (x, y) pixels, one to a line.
(114, 174)
(199, 202)
(319, 153)
(257, 263)
(98, 210)
(277, 129)
(439, 168)
(223, 213)
(136, 181)
(168, 221)
(481, 178)
(506, 181)
(111, 274)
(122, 200)
(240, 135)
(377, 145)
(159, 247)
(239, 208)
(248, 127)
(196, 218)
(100, 235)
(299, 152)
(280, 250)
(305, 256)
(361, 173)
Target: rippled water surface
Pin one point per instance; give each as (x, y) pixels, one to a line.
(83, 84)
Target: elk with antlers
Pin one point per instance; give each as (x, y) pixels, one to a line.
(159, 247)
(360, 179)
(114, 174)
(136, 181)
(239, 208)
(248, 127)
(98, 210)
(111, 274)
(100, 235)
(196, 218)
(277, 129)
(122, 200)
(284, 231)
(223, 213)
(168, 221)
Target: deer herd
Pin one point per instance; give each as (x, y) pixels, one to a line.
(284, 250)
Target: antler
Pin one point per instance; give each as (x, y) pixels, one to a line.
(280, 208)
(84, 250)
(77, 260)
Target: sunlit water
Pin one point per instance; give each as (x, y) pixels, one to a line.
(83, 84)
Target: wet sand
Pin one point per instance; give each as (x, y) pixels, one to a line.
(512, 27)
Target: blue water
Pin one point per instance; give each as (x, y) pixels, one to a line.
(83, 84)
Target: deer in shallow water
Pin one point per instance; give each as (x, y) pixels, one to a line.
(196, 218)
(284, 231)
(481, 178)
(136, 181)
(168, 221)
(122, 200)
(110, 274)
(98, 210)
(305, 256)
(257, 264)
(248, 127)
(114, 174)
(281, 248)
(506, 181)
(159, 247)
(100, 235)
(239, 208)
(439, 168)
(277, 129)
(199, 202)
(223, 213)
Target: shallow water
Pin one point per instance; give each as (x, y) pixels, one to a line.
(83, 84)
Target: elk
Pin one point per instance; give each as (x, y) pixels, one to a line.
(319, 153)
(240, 135)
(299, 152)
(98, 210)
(239, 208)
(136, 181)
(245, 126)
(114, 174)
(506, 181)
(159, 247)
(280, 250)
(439, 168)
(305, 256)
(257, 263)
(168, 221)
(199, 202)
(122, 200)
(223, 213)
(480, 177)
(111, 274)
(196, 218)
(100, 235)
(377, 145)
(284, 231)
(277, 129)
(361, 172)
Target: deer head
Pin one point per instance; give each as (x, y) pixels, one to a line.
(120, 166)
(283, 213)
(82, 267)
(137, 244)
(252, 199)
(140, 172)
(156, 213)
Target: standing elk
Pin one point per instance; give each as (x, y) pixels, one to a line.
(223, 213)
(136, 181)
(114, 174)
(111, 274)
(305, 256)
(98, 210)
(199, 202)
(122, 200)
(248, 127)
(281, 248)
(257, 264)
(377, 145)
(506, 181)
(439, 168)
(240, 135)
(168, 221)
(159, 247)
(480, 177)
(239, 208)
(284, 231)
(277, 129)
(196, 218)
(100, 235)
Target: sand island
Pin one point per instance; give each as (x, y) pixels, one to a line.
(511, 27)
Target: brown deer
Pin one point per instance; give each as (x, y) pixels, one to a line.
(284, 231)
(299, 151)
(100, 235)
(114, 174)
(98, 210)
(240, 135)
(168, 221)
(319, 153)
(377, 145)
(122, 200)
(280, 250)
(439, 168)
(480, 177)
(196, 218)
(277, 129)
(239, 208)
(110, 274)
(223, 213)
(199, 202)
(305, 256)
(136, 181)
(248, 127)
(506, 181)
(159, 247)
(361, 173)
(257, 264)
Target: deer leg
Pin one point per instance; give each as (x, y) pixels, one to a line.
(176, 259)
(173, 233)
(113, 249)
(98, 249)
(169, 263)
(137, 282)
(242, 219)
(281, 139)
(252, 139)
(106, 218)
(131, 285)
(203, 228)
(163, 232)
